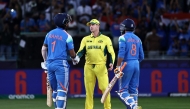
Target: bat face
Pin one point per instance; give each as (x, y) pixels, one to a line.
(107, 91)
(49, 90)
(49, 94)
(49, 97)
(111, 84)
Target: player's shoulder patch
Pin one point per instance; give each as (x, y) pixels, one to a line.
(69, 38)
(122, 38)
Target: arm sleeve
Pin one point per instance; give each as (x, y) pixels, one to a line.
(69, 42)
(122, 46)
(82, 48)
(141, 53)
(111, 51)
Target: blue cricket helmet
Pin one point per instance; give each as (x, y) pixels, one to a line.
(62, 19)
(127, 25)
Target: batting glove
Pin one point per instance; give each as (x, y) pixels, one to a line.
(117, 69)
(75, 60)
(43, 65)
(119, 75)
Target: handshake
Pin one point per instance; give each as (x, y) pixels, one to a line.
(75, 60)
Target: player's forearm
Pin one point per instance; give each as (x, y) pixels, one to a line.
(82, 48)
(72, 53)
(112, 53)
(119, 61)
(112, 58)
(81, 51)
(44, 52)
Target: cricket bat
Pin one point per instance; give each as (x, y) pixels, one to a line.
(48, 87)
(49, 94)
(112, 83)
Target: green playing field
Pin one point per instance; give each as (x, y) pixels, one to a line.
(78, 103)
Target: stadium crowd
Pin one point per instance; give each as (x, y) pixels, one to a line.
(160, 35)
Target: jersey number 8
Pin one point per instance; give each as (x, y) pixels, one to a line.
(133, 50)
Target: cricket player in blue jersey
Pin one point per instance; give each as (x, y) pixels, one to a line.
(131, 52)
(54, 52)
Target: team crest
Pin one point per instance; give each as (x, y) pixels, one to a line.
(100, 41)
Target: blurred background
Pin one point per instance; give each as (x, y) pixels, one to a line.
(162, 25)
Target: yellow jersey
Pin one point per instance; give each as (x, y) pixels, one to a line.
(96, 49)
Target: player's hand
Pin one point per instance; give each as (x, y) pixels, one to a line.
(75, 60)
(43, 65)
(110, 67)
(117, 69)
(119, 74)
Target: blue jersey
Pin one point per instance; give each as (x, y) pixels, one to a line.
(130, 47)
(58, 42)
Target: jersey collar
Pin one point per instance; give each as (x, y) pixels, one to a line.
(97, 36)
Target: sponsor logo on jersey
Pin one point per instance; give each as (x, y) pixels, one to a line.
(100, 41)
(94, 47)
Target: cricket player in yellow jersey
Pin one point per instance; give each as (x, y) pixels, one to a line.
(96, 47)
